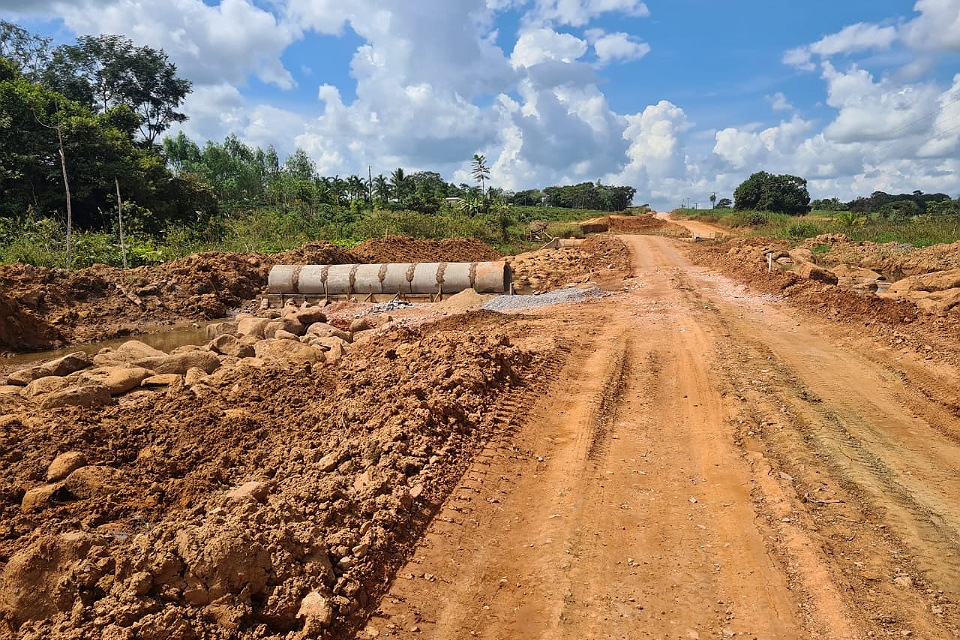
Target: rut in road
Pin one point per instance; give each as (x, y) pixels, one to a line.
(704, 465)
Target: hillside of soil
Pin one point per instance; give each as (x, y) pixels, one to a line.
(46, 308)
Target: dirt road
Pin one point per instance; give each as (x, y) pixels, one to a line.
(709, 464)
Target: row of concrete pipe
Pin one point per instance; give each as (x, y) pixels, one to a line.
(423, 278)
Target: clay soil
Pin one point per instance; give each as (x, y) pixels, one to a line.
(708, 451)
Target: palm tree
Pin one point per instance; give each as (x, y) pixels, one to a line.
(356, 188)
(480, 171)
(381, 190)
(399, 183)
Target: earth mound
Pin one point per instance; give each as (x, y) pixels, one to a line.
(405, 249)
(646, 223)
(600, 259)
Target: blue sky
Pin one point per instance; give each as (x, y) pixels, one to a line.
(678, 98)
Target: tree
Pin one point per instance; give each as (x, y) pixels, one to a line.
(480, 171)
(381, 191)
(777, 193)
(108, 70)
(398, 183)
(31, 53)
(713, 200)
(724, 203)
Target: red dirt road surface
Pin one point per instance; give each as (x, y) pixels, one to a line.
(709, 463)
(683, 457)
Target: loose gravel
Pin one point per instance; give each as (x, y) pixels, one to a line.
(550, 298)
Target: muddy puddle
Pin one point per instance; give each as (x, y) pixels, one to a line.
(163, 340)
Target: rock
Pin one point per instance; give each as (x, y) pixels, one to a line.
(38, 498)
(182, 362)
(218, 329)
(80, 396)
(903, 581)
(284, 335)
(230, 345)
(59, 367)
(9, 389)
(256, 491)
(43, 386)
(252, 326)
(117, 380)
(162, 380)
(93, 482)
(194, 376)
(288, 324)
(318, 612)
(360, 324)
(801, 255)
(328, 462)
(323, 330)
(857, 278)
(129, 352)
(65, 464)
(928, 282)
(334, 347)
(811, 271)
(309, 315)
(288, 350)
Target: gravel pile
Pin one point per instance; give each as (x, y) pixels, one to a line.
(559, 296)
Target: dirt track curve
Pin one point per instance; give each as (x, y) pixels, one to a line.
(708, 464)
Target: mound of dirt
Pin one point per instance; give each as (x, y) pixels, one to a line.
(270, 502)
(899, 322)
(46, 308)
(893, 260)
(643, 224)
(404, 249)
(600, 259)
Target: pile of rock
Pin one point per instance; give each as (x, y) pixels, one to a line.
(291, 335)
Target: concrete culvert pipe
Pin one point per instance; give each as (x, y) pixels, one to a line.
(426, 278)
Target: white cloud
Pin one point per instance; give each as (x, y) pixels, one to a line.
(853, 39)
(578, 13)
(779, 102)
(618, 47)
(546, 45)
(937, 27)
(209, 44)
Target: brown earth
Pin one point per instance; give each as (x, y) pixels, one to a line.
(46, 308)
(691, 456)
(648, 223)
(600, 260)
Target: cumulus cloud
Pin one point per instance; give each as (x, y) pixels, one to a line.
(617, 47)
(937, 27)
(577, 13)
(853, 39)
(779, 102)
(542, 45)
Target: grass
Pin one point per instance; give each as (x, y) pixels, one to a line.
(42, 242)
(920, 231)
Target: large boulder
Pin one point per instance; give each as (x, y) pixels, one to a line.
(288, 351)
(218, 329)
(857, 278)
(62, 366)
(181, 362)
(117, 380)
(128, 352)
(937, 292)
(324, 330)
(43, 386)
(251, 326)
(230, 345)
(811, 271)
(80, 396)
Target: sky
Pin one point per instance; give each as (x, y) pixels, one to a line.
(677, 98)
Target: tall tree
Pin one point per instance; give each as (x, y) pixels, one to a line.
(381, 191)
(778, 193)
(398, 182)
(108, 70)
(480, 171)
(31, 53)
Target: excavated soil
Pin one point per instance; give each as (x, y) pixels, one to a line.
(710, 450)
(643, 224)
(43, 308)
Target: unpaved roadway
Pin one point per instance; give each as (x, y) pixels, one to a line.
(709, 464)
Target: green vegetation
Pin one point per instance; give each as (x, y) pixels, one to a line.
(777, 193)
(919, 231)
